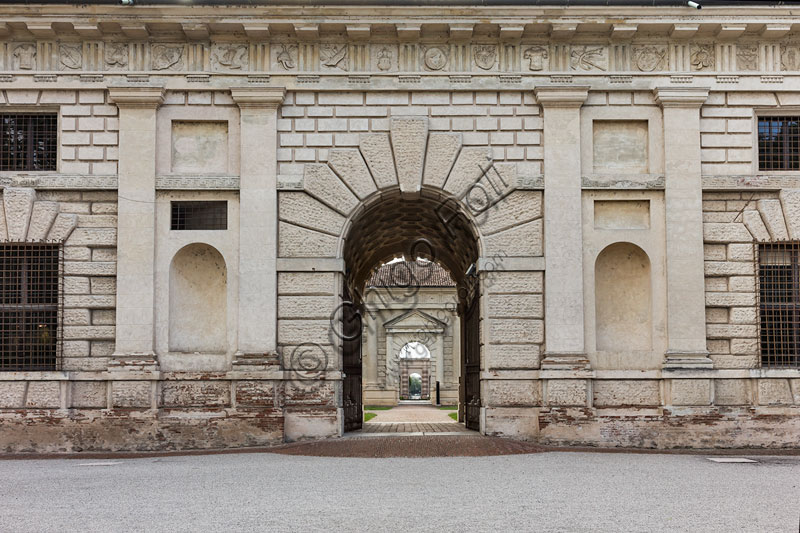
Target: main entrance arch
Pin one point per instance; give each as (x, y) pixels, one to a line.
(407, 193)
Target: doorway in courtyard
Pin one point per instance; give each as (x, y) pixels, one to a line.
(411, 289)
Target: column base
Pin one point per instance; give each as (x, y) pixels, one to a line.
(687, 361)
(570, 361)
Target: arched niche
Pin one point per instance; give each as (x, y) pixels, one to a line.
(198, 300)
(623, 300)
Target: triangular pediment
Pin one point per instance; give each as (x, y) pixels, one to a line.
(414, 320)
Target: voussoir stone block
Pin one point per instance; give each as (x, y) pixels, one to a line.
(350, 166)
(18, 204)
(443, 148)
(517, 208)
(320, 181)
(790, 200)
(42, 217)
(409, 140)
(300, 208)
(62, 227)
(296, 241)
(377, 152)
(754, 224)
(471, 164)
(772, 213)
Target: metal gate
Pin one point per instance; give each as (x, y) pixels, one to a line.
(470, 345)
(351, 365)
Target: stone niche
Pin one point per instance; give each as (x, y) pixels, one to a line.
(199, 147)
(620, 147)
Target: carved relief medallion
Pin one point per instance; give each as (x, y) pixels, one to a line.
(435, 57)
(70, 56)
(702, 57)
(485, 56)
(333, 56)
(229, 57)
(650, 58)
(24, 57)
(747, 57)
(588, 58)
(116, 55)
(166, 57)
(286, 56)
(537, 58)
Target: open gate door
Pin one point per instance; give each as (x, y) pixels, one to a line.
(471, 357)
(351, 365)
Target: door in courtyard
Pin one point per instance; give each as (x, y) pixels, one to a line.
(471, 360)
(351, 364)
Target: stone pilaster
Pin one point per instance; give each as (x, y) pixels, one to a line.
(564, 335)
(258, 215)
(136, 221)
(683, 199)
(371, 355)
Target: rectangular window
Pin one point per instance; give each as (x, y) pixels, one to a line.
(28, 141)
(779, 303)
(30, 306)
(779, 143)
(199, 215)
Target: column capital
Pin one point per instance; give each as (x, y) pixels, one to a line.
(561, 95)
(269, 97)
(681, 96)
(136, 95)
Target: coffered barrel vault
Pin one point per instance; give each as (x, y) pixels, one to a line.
(614, 199)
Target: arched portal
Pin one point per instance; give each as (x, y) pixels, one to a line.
(432, 226)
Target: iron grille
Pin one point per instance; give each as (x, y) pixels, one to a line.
(779, 143)
(779, 303)
(31, 300)
(199, 215)
(29, 141)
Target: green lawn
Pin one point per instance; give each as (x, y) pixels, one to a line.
(454, 416)
(448, 407)
(369, 416)
(377, 408)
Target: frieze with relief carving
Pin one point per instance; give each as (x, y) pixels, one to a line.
(333, 57)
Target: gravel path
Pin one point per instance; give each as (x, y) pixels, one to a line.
(551, 491)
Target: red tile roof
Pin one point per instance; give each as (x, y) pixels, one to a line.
(419, 273)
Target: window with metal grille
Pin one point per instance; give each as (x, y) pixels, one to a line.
(30, 306)
(779, 303)
(28, 141)
(779, 143)
(199, 215)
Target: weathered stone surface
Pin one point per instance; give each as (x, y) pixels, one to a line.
(303, 331)
(499, 356)
(89, 268)
(305, 283)
(294, 241)
(727, 331)
(89, 394)
(43, 395)
(320, 181)
(513, 393)
(305, 306)
(89, 332)
(728, 268)
(730, 299)
(566, 392)
(18, 204)
(309, 393)
(503, 330)
(350, 166)
(515, 306)
(522, 240)
(731, 392)
(691, 391)
(252, 393)
(136, 394)
(12, 394)
(790, 200)
(472, 162)
(62, 227)
(774, 391)
(3, 228)
(409, 139)
(500, 281)
(301, 209)
(772, 213)
(443, 148)
(42, 217)
(517, 208)
(625, 393)
(93, 237)
(733, 232)
(754, 224)
(377, 152)
(195, 393)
